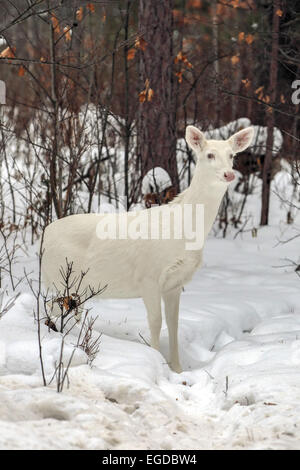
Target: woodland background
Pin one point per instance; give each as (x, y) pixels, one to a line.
(99, 93)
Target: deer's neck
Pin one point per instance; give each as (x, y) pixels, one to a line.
(203, 191)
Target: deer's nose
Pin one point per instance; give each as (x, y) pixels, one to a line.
(229, 176)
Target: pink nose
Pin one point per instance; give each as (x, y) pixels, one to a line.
(229, 176)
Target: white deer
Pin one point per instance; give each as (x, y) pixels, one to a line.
(152, 269)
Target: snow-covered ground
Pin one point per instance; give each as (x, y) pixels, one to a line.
(240, 350)
(239, 344)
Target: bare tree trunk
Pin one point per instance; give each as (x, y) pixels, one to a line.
(56, 186)
(215, 42)
(127, 130)
(267, 168)
(157, 117)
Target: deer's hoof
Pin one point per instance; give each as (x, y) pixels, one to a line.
(176, 368)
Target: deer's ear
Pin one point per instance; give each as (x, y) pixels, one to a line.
(195, 138)
(242, 139)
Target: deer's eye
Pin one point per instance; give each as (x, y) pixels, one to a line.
(211, 156)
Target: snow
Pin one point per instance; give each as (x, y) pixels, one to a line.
(240, 348)
(226, 131)
(156, 180)
(259, 143)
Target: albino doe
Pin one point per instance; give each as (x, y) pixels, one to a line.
(155, 268)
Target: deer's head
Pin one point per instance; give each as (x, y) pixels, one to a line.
(216, 157)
